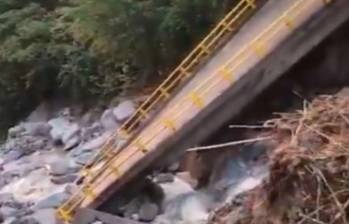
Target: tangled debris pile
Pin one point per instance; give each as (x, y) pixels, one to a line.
(309, 170)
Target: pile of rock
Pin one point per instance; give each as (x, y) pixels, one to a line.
(41, 158)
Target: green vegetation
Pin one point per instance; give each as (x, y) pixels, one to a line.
(92, 48)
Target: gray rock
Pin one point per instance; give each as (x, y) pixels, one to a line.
(148, 212)
(39, 144)
(71, 132)
(13, 155)
(6, 197)
(8, 176)
(72, 143)
(174, 167)
(70, 189)
(108, 120)
(7, 200)
(124, 110)
(52, 201)
(59, 126)
(164, 178)
(66, 113)
(91, 132)
(8, 211)
(15, 131)
(133, 207)
(26, 169)
(37, 128)
(69, 178)
(27, 144)
(84, 158)
(59, 168)
(25, 220)
(93, 144)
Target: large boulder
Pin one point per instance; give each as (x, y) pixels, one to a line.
(52, 201)
(148, 212)
(59, 126)
(108, 120)
(71, 132)
(124, 110)
(65, 132)
(59, 167)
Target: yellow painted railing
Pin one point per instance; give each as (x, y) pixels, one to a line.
(224, 75)
(183, 72)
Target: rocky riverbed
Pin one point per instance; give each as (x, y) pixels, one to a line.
(43, 154)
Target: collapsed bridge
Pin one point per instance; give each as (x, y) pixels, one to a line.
(253, 45)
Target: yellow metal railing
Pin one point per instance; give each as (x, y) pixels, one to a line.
(183, 72)
(222, 76)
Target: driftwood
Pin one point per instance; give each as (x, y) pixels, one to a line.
(227, 144)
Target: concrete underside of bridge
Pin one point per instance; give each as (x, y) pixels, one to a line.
(234, 100)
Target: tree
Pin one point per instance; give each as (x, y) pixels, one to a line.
(92, 49)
